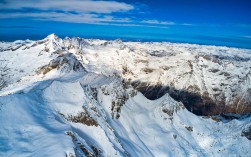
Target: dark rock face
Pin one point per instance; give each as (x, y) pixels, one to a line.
(247, 133)
(196, 103)
(65, 59)
(83, 149)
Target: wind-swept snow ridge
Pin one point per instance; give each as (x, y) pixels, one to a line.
(84, 97)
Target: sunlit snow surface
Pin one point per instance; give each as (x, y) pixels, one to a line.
(33, 105)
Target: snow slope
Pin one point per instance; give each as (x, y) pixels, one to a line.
(76, 97)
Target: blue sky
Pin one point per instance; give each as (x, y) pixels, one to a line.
(216, 22)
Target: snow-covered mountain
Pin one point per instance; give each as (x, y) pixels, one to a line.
(84, 97)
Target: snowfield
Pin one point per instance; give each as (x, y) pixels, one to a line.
(83, 97)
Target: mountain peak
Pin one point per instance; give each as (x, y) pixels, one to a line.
(52, 36)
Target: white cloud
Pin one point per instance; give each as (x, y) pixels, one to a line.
(84, 6)
(158, 22)
(136, 25)
(67, 17)
(85, 11)
(81, 18)
(168, 23)
(249, 37)
(187, 24)
(78, 11)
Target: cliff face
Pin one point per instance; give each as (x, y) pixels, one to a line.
(206, 84)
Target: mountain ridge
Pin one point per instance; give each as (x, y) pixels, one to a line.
(79, 96)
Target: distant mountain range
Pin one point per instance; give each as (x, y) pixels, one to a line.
(89, 97)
